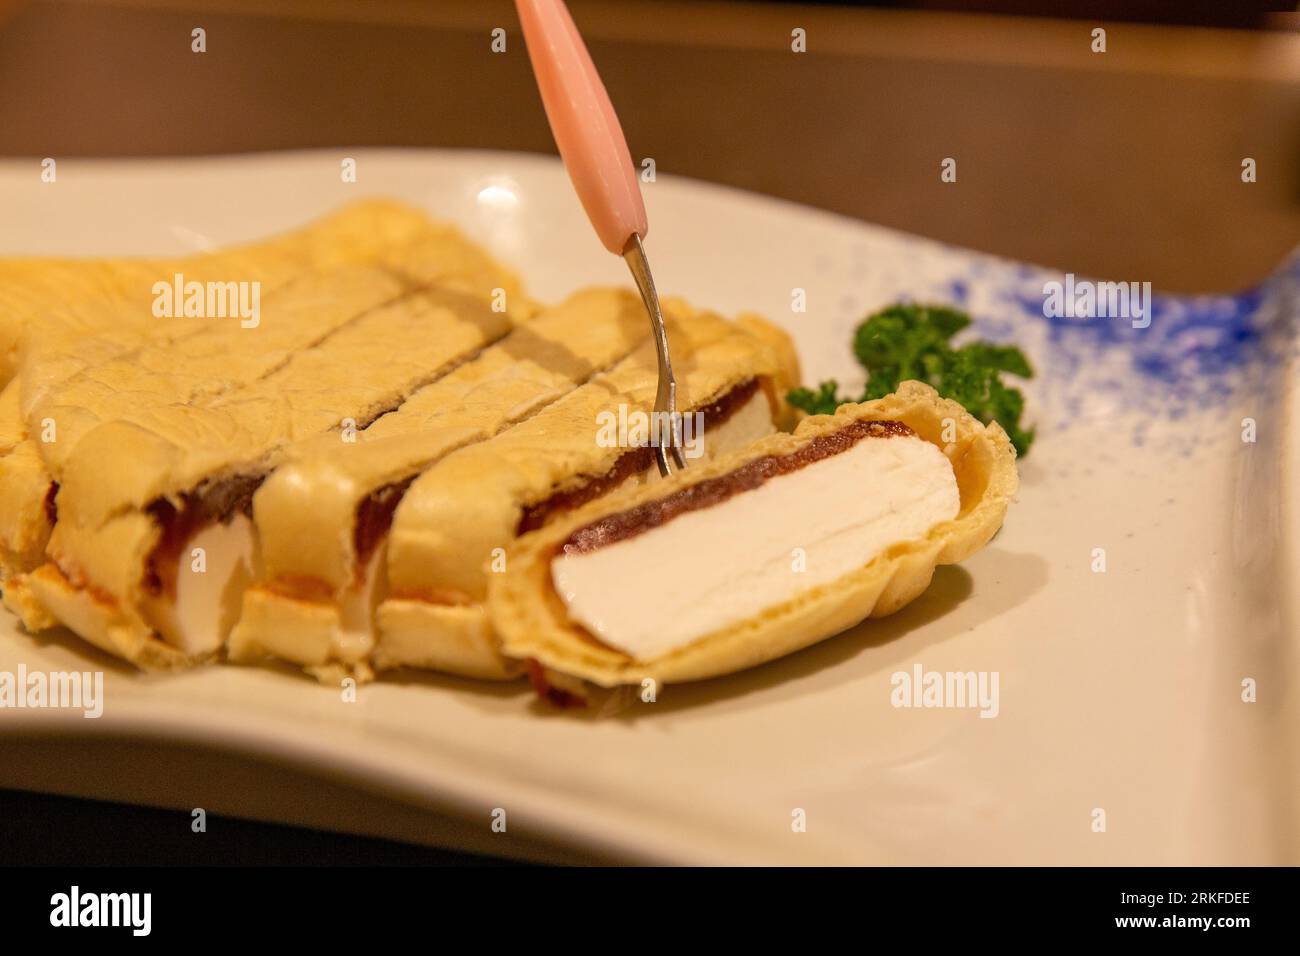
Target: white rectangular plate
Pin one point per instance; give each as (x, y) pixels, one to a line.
(1120, 691)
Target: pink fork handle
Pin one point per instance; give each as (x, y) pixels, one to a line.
(583, 122)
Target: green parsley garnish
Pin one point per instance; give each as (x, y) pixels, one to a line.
(905, 342)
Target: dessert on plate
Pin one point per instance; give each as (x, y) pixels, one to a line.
(405, 461)
(761, 552)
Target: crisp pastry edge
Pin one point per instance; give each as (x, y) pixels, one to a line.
(532, 624)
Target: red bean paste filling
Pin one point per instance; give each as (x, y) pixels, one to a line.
(214, 502)
(374, 518)
(630, 463)
(713, 491)
(52, 504)
(219, 501)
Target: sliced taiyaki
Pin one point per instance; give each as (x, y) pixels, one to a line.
(63, 315)
(322, 518)
(758, 553)
(60, 307)
(455, 521)
(98, 350)
(219, 357)
(153, 542)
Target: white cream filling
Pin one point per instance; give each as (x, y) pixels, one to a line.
(419, 645)
(709, 569)
(358, 606)
(356, 634)
(747, 424)
(212, 572)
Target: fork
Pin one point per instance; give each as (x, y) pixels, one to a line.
(595, 153)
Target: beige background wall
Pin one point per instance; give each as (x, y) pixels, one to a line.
(1125, 165)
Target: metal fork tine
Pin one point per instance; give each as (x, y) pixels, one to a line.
(661, 459)
(678, 457)
(666, 393)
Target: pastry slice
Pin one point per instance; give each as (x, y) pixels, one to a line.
(91, 354)
(61, 316)
(98, 350)
(451, 529)
(12, 428)
(24, 489)
(759, 553)
(153, 541)
(322, 517)
(65, 312)
(23, 525)
(95, 294)
(26, 520)
(195, 370)
(215, 360)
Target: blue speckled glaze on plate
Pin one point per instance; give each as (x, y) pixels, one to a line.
(1198, 353)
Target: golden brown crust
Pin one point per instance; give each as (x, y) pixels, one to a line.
(18, 597)
(451, 638)
(532, 623)
(102, 622)
(455, 514)
(309, 511)
(474, 500)
(90, 336)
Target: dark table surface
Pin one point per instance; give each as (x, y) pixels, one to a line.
(37, 829)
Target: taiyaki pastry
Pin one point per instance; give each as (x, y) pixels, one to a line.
(92, 345)
(143, 490)
(450, 533)
(158, 447)
(94, 304)
(759, 553)
(403, 461)
(322, 517)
